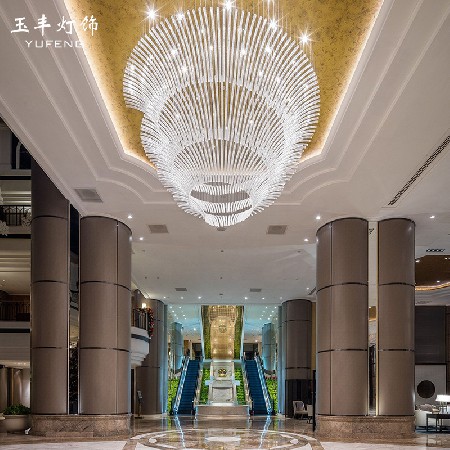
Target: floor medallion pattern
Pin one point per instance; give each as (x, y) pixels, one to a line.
(223, 439)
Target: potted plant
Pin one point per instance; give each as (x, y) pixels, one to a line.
(16, 418)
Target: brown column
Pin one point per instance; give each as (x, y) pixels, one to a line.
(447, 346)
(49, 296)
(396, 284)
(151, 376)
(105, 330)
(342, 318)
(296, 330)
(280, 361)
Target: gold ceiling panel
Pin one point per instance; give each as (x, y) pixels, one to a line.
(338, 28)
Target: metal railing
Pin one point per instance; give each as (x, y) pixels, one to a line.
(16, 215)
(18, 311)
(198, 387)
(140, 319)
(176, 403)
(264, 386)
(248, 397)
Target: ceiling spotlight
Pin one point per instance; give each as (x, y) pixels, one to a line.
(306, 240)
(318, 217)
(151, 14)
(129, 216)
(304, 38)
(262, 298)
(438, 281)
(228, 5)
(432, 217)
(182, 298)
(199, 298)
(418, 260)
(245, 298)
(141, 238)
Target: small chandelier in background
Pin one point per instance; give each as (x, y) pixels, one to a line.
(230, 102)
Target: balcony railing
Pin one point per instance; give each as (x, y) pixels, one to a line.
(18, 311)
(16, 215)
(142, 318)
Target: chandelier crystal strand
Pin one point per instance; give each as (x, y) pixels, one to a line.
(230, 102)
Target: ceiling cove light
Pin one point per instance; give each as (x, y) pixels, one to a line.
(230, 102)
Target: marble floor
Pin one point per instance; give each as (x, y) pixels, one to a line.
(163, 433)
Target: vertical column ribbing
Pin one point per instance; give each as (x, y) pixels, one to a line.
(396, 283)
(105, 328)
(151, 376)
(342, 317)
(49, 296)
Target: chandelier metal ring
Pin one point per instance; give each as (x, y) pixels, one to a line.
(230, 102)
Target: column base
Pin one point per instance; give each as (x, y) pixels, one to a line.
(365, 427)
(81, 425)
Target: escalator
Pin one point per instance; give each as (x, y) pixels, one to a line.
(256, 389)
(189, 387)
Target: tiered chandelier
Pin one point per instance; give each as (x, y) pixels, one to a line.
(230, 102)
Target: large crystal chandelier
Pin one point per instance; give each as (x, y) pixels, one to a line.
(230, 102)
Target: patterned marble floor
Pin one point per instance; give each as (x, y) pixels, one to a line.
(162, 433)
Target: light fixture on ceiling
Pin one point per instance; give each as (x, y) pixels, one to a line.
(224, 140)
(318, 217)
(130, 216)
(432, 217)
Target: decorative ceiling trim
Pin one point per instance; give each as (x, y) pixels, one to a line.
(420, 171)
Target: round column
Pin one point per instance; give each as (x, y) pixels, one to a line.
(269, 346)
(296, 330)
(176, 345)
(151, 376)
(396, 284)
(105, 312)
(280, 362)
(49, 296)
(342, 318)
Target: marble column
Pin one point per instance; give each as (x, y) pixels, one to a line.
(176, 345)
(342, 318)
(396, 284)
(152, 375)
(296, 351)
(269, 345)
(105, 303)
(49, 296)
